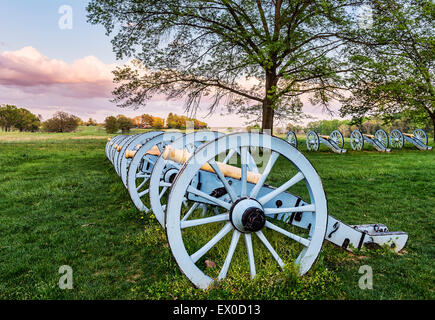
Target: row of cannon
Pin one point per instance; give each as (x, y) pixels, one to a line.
(380, 140)
(237, 203)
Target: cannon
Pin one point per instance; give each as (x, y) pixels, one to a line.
(217, 198)
(379, 140)
(418, 138)
(334, 141)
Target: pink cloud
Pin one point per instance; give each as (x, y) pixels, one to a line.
(35, 73)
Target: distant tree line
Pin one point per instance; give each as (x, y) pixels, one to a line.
(146, 121)
(120, 122)
(13, 118)
(182, 122)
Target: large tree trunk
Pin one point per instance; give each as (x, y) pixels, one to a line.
(268, 104)
(268, 113)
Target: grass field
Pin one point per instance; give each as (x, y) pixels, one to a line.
(61, 203)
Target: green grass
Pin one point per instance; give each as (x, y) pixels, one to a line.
(82, 133)
(61, 203)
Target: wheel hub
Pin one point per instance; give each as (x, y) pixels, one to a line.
(170, 175)
(247, 215)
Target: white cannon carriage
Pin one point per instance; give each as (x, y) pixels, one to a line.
(223, 202)
(418, 138)
(379, 140)
(334, 141)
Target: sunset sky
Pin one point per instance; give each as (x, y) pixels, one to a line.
(45, 68)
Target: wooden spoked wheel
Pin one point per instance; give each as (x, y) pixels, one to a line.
(396, 139)
(356, 140)
(165, 171)
(141, 166)
(382, 137)
(313, 141)
(134, 145)
(249, 206)
(292, 138)
(337, 137)
(421, 135)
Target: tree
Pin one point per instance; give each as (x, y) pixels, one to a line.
(61, 122)
(206, 48)
(158, 123)
(124, 123)
(147, 121)
(8, 117)
(91, 122)
(175, 121)
(18, 118)
(394, 65)
(27, 121)
(111, 124)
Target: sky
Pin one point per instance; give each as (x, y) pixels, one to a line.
(52, 59)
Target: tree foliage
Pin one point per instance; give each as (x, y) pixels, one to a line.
(149, 121)
(111, 124)
(393, 67)
(61, 122)
(124, 123)
(207, 49)
(182, 122)
(19, 118)
(91, 122)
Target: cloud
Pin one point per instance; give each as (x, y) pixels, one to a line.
(35, 73)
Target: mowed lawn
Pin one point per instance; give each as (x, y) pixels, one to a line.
(61, 203)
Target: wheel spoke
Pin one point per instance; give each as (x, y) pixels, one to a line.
(142, 175)
(228, 157)
(141, 194)
(298, 177)
(297, 238)
(192, 208)
(307, 208)
(204, 195)
(141, 184)
(270, 248)
(163, 191)
(273, 157)
(221, 176)
(249, 249)
(244, 173)
(202, 221)
(201, 252)
(233, 245)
